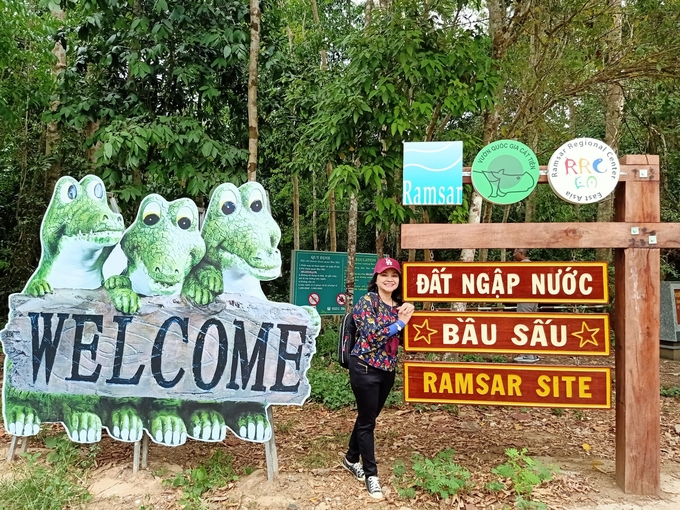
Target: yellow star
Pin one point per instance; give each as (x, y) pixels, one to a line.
(582, 335)
(424, 336)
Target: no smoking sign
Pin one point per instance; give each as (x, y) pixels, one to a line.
(313, 299)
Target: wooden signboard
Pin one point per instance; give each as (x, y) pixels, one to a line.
(502, 332)
(510, 385)
(516, 282)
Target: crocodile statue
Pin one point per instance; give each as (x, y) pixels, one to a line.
(78, 233)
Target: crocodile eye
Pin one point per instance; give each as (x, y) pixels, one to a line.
(151, 214)
(185, 218)
(255, 201)
(228, 203)
(72, 192)
(95, 188)
(151, 219)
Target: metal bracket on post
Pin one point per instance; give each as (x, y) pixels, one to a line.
(270, 450)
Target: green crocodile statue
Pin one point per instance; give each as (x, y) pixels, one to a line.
(161, 246)
(241, 239)
(165, 255)
(78, 233)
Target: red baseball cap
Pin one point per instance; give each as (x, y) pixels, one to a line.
(387, 263)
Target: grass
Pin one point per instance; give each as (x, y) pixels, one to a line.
(671, 391)
(217, 472)
(322, 450)
(55, 482)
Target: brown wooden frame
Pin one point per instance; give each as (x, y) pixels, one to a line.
(637, 235)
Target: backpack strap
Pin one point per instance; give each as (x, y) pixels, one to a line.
(374, 301)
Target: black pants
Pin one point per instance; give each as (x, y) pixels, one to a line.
(371, 386)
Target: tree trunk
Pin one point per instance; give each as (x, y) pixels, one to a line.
(296, 213)
(368, 13)
(90, 129)
(533, 127)
(331, 214)
(486, 218)
(491, 121)
(322, 52)
(255, 17)
(351, 250)
(380, 237)
(52, 131)
(613, 115)
(315, 237)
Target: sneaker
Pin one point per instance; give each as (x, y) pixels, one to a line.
(356, 469)
(373, 486)
(527, 358)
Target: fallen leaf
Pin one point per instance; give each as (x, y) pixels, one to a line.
(587, 447)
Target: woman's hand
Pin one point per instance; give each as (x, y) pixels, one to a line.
(405, 312)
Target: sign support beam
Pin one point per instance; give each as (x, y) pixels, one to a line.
(637, 287)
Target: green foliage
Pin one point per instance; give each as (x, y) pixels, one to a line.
(524, 473)
(59, 483)
(329, 381)
(330, 386)
(670, 391)
(439, 476)
(473, 357)
(497, 358)
(215, 473)
(410, 67)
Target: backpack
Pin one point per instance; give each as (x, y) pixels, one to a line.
(347, 336)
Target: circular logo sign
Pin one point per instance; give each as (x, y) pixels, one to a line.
(341, 299)
(583, 171)
(313, 299)
(505, 172)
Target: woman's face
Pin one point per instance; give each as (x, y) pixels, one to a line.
(388, 280)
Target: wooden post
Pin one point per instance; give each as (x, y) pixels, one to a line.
(12, 448)
(145, 449)
(270, 451)
(637, 306)
(135, 458)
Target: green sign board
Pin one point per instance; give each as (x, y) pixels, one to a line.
(505, 172)
(318, 278)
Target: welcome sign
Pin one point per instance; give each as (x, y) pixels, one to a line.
(181, 343)
(433, 173)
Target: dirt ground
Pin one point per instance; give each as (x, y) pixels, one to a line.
(311, 441)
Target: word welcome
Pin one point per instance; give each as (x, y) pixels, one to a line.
(231, 355)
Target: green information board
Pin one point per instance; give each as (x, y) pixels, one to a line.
(318, 278)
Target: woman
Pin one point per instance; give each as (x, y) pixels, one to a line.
(380, 317)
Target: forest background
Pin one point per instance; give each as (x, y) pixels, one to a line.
(314, 98)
